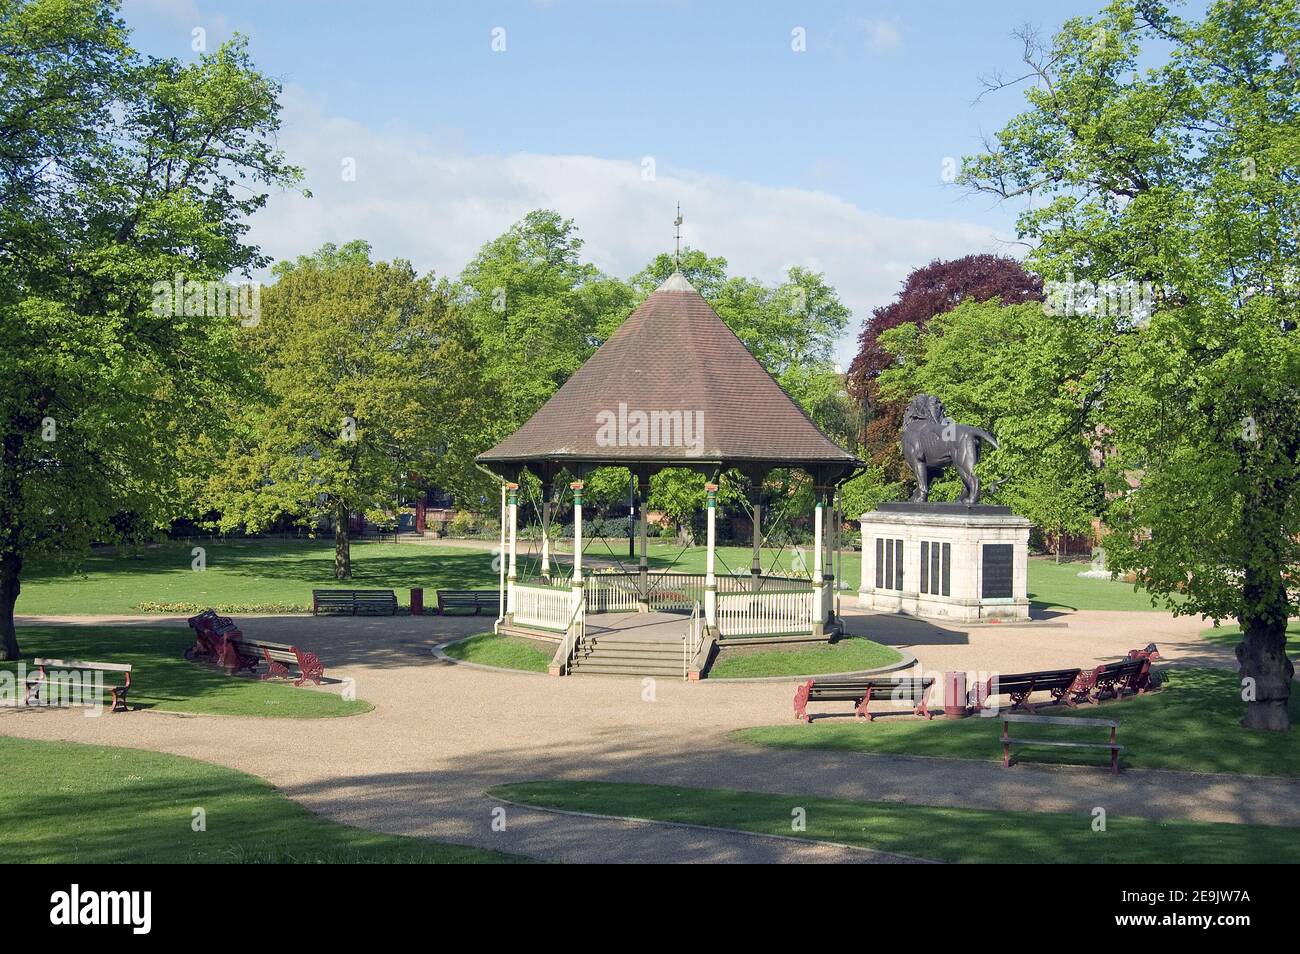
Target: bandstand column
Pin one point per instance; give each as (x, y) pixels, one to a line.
(501, 563)
(546, 534)
(643, 566)
(576, 487)
(710, 579)
(756, 564)
(818, 581)
(512, 511)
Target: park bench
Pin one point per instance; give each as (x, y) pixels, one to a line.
(861, 691)
(1059, 721)
(353, 602)
(276, 656)
(477, 600)
(1064, 685)
(1129, 675)
(41, 678)
(210, 635)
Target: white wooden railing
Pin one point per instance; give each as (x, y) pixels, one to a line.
(691, 641)
(537, 604)
(611, 592)
(766, 612)
(574, 635)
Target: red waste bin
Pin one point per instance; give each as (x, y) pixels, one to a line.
(417, 601)
(954, 695)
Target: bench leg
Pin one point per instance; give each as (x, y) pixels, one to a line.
(119, 699)
(1006, 746)
(922, 709)
(861, 710)
(801, 700)
(1114, 752)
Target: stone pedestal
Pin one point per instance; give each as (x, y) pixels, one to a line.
(945, 561)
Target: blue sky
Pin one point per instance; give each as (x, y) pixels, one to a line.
(830, 158)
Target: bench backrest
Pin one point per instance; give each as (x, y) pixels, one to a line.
(905, 684)
(354, 594)
(262, 644)
(1047, 679)
(1059, 720)
(79, 664)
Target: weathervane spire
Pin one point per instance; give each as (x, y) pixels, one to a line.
(677, 254)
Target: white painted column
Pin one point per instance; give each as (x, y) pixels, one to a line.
(710, 579)
(576, 487)
(501, 562)
(819, 584)
(512, 509)
(756, 564)
(643, 565)
(546, 534)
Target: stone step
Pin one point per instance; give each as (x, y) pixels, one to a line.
(669, 672)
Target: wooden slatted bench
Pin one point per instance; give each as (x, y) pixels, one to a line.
(1064, 685)
(477, 600)
(353, 602)
(41, 678)
(1058, 721)
(861, 691)
(278, 657)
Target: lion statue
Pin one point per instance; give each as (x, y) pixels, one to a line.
(932, 441)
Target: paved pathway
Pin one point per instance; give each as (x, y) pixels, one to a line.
(442, 734)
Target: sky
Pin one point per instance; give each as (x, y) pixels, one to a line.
(428, 128)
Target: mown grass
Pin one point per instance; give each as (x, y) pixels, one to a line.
(503, 651)
(162, 678)
(1192, 725)
(244, 574)
(1230, 636)
(268, 575)
(966, 835)
(847, 655)
(70, 803)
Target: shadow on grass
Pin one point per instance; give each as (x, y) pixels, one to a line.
(67, 802)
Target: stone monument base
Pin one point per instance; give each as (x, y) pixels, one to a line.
(962, 562)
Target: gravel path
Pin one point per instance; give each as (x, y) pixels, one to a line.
(441, 735)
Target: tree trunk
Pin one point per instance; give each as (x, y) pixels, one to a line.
(1266, 672)
(342, 545)
(10, 566)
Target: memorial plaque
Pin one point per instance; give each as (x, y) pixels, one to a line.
(999, 561)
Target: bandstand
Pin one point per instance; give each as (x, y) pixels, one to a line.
(672, 387)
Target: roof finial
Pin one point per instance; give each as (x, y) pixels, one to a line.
(677, 255)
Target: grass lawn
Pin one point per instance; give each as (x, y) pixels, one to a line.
(505, 651)
(66, 802)
(848, 655)
(276, 575)
(1190, 725)
(163, 678)
(941, 834)
(244, 576)
(1230, 636)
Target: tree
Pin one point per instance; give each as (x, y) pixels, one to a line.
(1162, 152)
(537, 312)
(118, 174)
(927, 291)
(1006, 369)
(365, 367)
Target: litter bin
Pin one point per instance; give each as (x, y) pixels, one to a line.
(417, 601)
(954, 695)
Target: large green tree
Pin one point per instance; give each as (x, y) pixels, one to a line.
(1165, 149)
(1008, 369)
(117, 172)
(364, 368)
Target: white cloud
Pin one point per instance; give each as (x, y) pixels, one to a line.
(882, 35)
(418, 201)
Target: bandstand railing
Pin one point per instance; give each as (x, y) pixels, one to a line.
(540, 604)
(768, 612)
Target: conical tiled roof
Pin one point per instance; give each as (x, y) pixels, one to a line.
(675, 358)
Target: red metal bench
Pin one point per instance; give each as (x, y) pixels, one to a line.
(860, 692)
(252, 652)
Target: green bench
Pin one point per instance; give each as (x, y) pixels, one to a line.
(41, 679)
(476, 600)
(353, 602)
(1058, 722)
